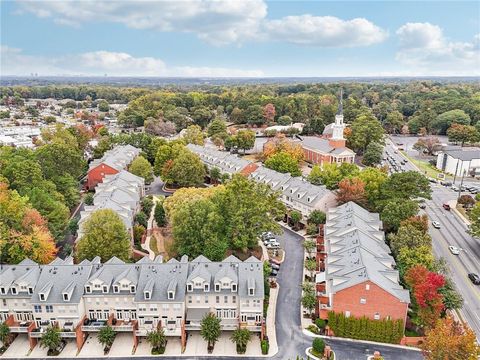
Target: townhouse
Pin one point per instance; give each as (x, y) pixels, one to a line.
(120, 192)
(112, 162)
(130, 297)
(297, 193)
(357, 274)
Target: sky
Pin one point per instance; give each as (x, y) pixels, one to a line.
(240, 38)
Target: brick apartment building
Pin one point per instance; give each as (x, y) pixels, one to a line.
(111, 163)
(356, 274)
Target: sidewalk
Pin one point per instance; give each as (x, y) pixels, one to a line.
(146, 244)
(453, 206)
(271, 331)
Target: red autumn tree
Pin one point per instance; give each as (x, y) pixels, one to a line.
(269, 113)
(425, 287)
(420, 222)
(351, 189)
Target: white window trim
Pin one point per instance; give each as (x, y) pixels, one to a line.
(88, 289)
(147, 295)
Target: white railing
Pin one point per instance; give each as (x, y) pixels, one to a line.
(123, 327)
(91, 328)
(18, 329)
(68, 334)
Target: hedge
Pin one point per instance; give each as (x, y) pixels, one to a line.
(387, 331)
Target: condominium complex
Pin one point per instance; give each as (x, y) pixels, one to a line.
(120, 192)
(112, 162)
(131, 297)
(356, 271)
(297, 193)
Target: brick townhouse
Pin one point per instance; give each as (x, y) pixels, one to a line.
(112, 162)
(130, 297)
(356, 271)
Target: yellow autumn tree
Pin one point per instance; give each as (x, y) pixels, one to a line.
(186, 195)
(450, 340)
(280, 143)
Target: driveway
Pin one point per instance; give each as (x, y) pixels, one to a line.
(19, 347)
(156, 188)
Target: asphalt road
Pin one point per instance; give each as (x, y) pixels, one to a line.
(453, 231)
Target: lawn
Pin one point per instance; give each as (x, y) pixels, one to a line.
(425, 167)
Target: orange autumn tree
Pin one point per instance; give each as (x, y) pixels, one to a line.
(23, 231)
(450, 340)
(280, 143)
(351, 189)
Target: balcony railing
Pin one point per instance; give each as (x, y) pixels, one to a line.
(18, 329)
(68, 334)
(123, 327)
(36, 334)
(92, 327)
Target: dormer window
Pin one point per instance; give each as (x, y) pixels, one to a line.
(42, 297)
(147, 295)
(189, 287)
(14, 290)
(66, 297)
(105, 289)
(251, 291)
(30, 290)
(308, 199)
(217, 287)
(234, 287)
(132, 289)
(3, 291)
(298, 195)
(116, 289)
(171, 295)
(206, 287)
(88, 289)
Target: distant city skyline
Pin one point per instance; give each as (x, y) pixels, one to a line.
(251, 38)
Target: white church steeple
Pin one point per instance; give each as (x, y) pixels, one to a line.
(339, 126)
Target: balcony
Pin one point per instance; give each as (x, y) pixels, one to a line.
(20, 327)
(93, 326)
(122, 325)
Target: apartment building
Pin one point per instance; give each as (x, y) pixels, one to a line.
(120, 192)
(297, 193)
(112, 162)
(356, 271)
(130, 297)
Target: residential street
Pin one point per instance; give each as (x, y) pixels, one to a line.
(453, 231)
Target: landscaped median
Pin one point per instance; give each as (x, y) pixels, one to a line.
(320, 351)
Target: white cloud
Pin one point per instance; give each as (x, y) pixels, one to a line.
(325, 31)
(98, 63)
(425, 49)
(218, 22)
(214, 21)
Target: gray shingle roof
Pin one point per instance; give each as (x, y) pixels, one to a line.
(356, 251)
(464, 155)
(118, 158)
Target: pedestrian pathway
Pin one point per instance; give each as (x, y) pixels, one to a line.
(146, 244)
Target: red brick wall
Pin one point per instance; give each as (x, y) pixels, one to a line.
(337, 143)
(97, 174)
(315, 157)
(377, 300)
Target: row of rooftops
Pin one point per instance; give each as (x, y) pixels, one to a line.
(120, 192)
(357, 252)
(296, 188)
(63, 282)
(117, 158)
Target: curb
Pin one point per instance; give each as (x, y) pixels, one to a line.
(458, 213)
(308, 333)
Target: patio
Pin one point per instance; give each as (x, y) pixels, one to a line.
(123, 345)
(92, 347)
(19, 347)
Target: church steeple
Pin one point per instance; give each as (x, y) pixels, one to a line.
(340, 103)
(337, 140)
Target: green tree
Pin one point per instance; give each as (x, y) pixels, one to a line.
(254, 115)
(104, 235)
(194, 135)
(364, 130)
(164, 154)
(315, 176)
(284, 120)
(411, 238)
(310, 246)
(141, 219)
(141, 167)
(406, 185)
(397, 210)
(103, 106)
(451, 298)
(463, 134)
(241, 337)
(147, 205)
(106, 336)
(159, 215)
(157, 340)
(373, 179)
(4, 334)
(217, 126)
(309, 301)
(394, 122)
(317, 217)
(373, 154)
(186, 170)
(311, 265)
(245, 139)
(210, 329)
(88, 200)
(51, 339)
(283, 162)
(215, 175)
(475, 220)
(446, 119)
(295, 217)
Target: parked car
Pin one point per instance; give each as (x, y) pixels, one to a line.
(268, 235)
(455, 188)
(275, 266)
(273, 245)
(474, 278)
(432, 180)
(274, 261)
(422, 205)
(436, 224)
(274, 272)
(454, 250)
(446, 207)
(446, 183)
(269, 241)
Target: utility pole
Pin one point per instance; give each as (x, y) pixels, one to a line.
(461, 184)
(456, 169)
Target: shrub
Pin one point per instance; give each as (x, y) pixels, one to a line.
(265, 346)
(318, 345)
(312, 328)
(312, 229)
(320, 323)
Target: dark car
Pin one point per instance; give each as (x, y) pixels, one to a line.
(274, 272)
(474, 278)
(422, 205)
(275, 266)
(446, 207)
